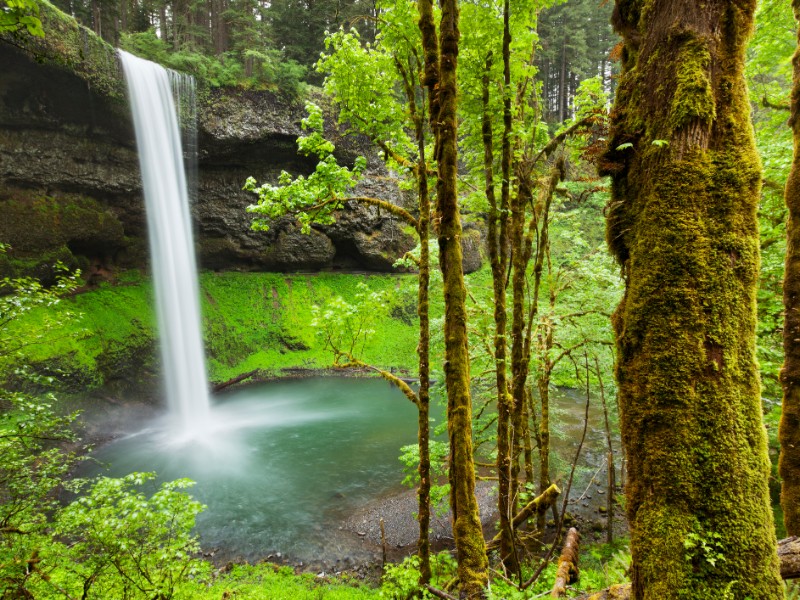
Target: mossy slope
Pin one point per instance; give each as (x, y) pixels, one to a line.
(252, 321)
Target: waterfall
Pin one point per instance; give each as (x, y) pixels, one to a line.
(158, 140)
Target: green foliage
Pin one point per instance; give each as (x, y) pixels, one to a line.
(575, 40)
(353, 70)
(280, 74)
(439, 452)
(251, 321)
(769, 77)
(32, 468)
(266, 581)
(792, 590)
(215, 70)
(703, 550)
(20, 296)
(125, 545)
(345, 327)
(281, 308)
(110, 542)
(19, 15)
(401, 581)
(311, 199)
(268, 68)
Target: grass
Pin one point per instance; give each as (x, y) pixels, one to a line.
(269, 582)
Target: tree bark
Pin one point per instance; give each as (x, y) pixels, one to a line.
(467, 531)
(788, 553)
(682, 223)
(789, 430)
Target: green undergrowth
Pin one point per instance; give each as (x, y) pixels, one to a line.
(251, 321)
(265, 321)
(269, 582)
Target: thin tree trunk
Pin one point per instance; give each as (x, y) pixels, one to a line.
(543, 384)
(683, 225)
(423, 432)
(497, 239)
(789, 431)
(562, 82)
(610, 458)
(467, 531)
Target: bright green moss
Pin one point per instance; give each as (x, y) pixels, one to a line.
(252, 321)
(693, 98)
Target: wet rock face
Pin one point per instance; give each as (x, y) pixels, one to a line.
(70, 188)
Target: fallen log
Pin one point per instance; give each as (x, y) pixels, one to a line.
(538, 505)
(788, 554)
(615, 592)
(234, 380)
(567, 571)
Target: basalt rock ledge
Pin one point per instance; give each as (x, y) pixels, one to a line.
(69, 174)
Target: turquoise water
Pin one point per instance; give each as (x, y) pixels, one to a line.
(282, 462)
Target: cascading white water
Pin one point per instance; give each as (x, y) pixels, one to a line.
(171, 244)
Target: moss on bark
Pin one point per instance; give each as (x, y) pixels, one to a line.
(467, 531)
(789, 431)
(682, 223)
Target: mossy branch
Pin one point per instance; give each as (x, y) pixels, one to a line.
(567, 564)
(558, 139)
(397, 211)
(354, 363)
(766, 103)
(538, 505)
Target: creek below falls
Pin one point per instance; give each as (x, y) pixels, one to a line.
(297, 470)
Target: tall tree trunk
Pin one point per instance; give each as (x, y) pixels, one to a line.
(123, 16)
(97, 18)
(497, 239)
(219, 28)
(789, 432)
(163, 22)
(543, 384)
(423, 350)
(562, 82)
(682, 223)
(467, 531)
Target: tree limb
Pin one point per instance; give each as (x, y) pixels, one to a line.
(397, 211)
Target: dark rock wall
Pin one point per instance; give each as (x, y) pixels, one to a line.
(70, 188)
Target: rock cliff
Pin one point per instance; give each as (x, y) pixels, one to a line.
(69, 175)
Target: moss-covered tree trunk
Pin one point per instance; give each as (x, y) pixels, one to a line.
(789, 432)
(423, 350)
(682, 223)
(467, 531)
(497, 242)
